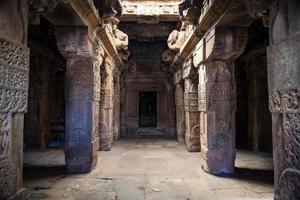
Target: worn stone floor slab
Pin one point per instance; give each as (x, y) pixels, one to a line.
(150, 169)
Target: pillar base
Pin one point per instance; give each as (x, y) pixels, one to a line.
(106, 143)
(192, 143)
(218, 161)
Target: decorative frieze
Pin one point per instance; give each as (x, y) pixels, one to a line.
(144, 9)
(191, 101)
(14, 70)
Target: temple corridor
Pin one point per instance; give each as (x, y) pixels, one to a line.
(151, 169)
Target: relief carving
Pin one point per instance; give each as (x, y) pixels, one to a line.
(292, 139)
(285, 101)
(289, 184)
(5, 135)
(14, 69)
(78, 135)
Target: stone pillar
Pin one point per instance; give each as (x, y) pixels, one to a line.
(179, 104)
(117, 107)
(14, 71)
(192, 128)
(284, 91)
(217, 98)
(82, 100)
(217, 116)
(106, 106)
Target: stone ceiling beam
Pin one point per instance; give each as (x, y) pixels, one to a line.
(212, 12)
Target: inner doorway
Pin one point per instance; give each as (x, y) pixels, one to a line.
(147, 109)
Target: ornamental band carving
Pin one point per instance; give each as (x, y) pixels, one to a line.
(14, 69)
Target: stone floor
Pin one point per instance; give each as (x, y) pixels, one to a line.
(147, 169)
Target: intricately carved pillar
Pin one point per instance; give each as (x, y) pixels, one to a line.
(14, 71)
(117, 107)
(192, 133)
(179, 104)
(106, 105)
(82, 99)
(217, 96)
(217, 116)
(284, 91)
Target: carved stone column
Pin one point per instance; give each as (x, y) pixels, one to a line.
(284, 90)
(14, 71)
(179, 103)
(192, 129)
(217, 116)
(82, 100)
(217, 96)
(106, 105)
(117, 107)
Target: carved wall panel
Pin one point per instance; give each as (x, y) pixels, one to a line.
(14, 70)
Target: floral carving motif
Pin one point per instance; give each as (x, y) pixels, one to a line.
(14, 66)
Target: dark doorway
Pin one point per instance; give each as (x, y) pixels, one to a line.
(147, 109)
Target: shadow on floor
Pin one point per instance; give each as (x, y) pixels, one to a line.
(36, 172)
(258, 175)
